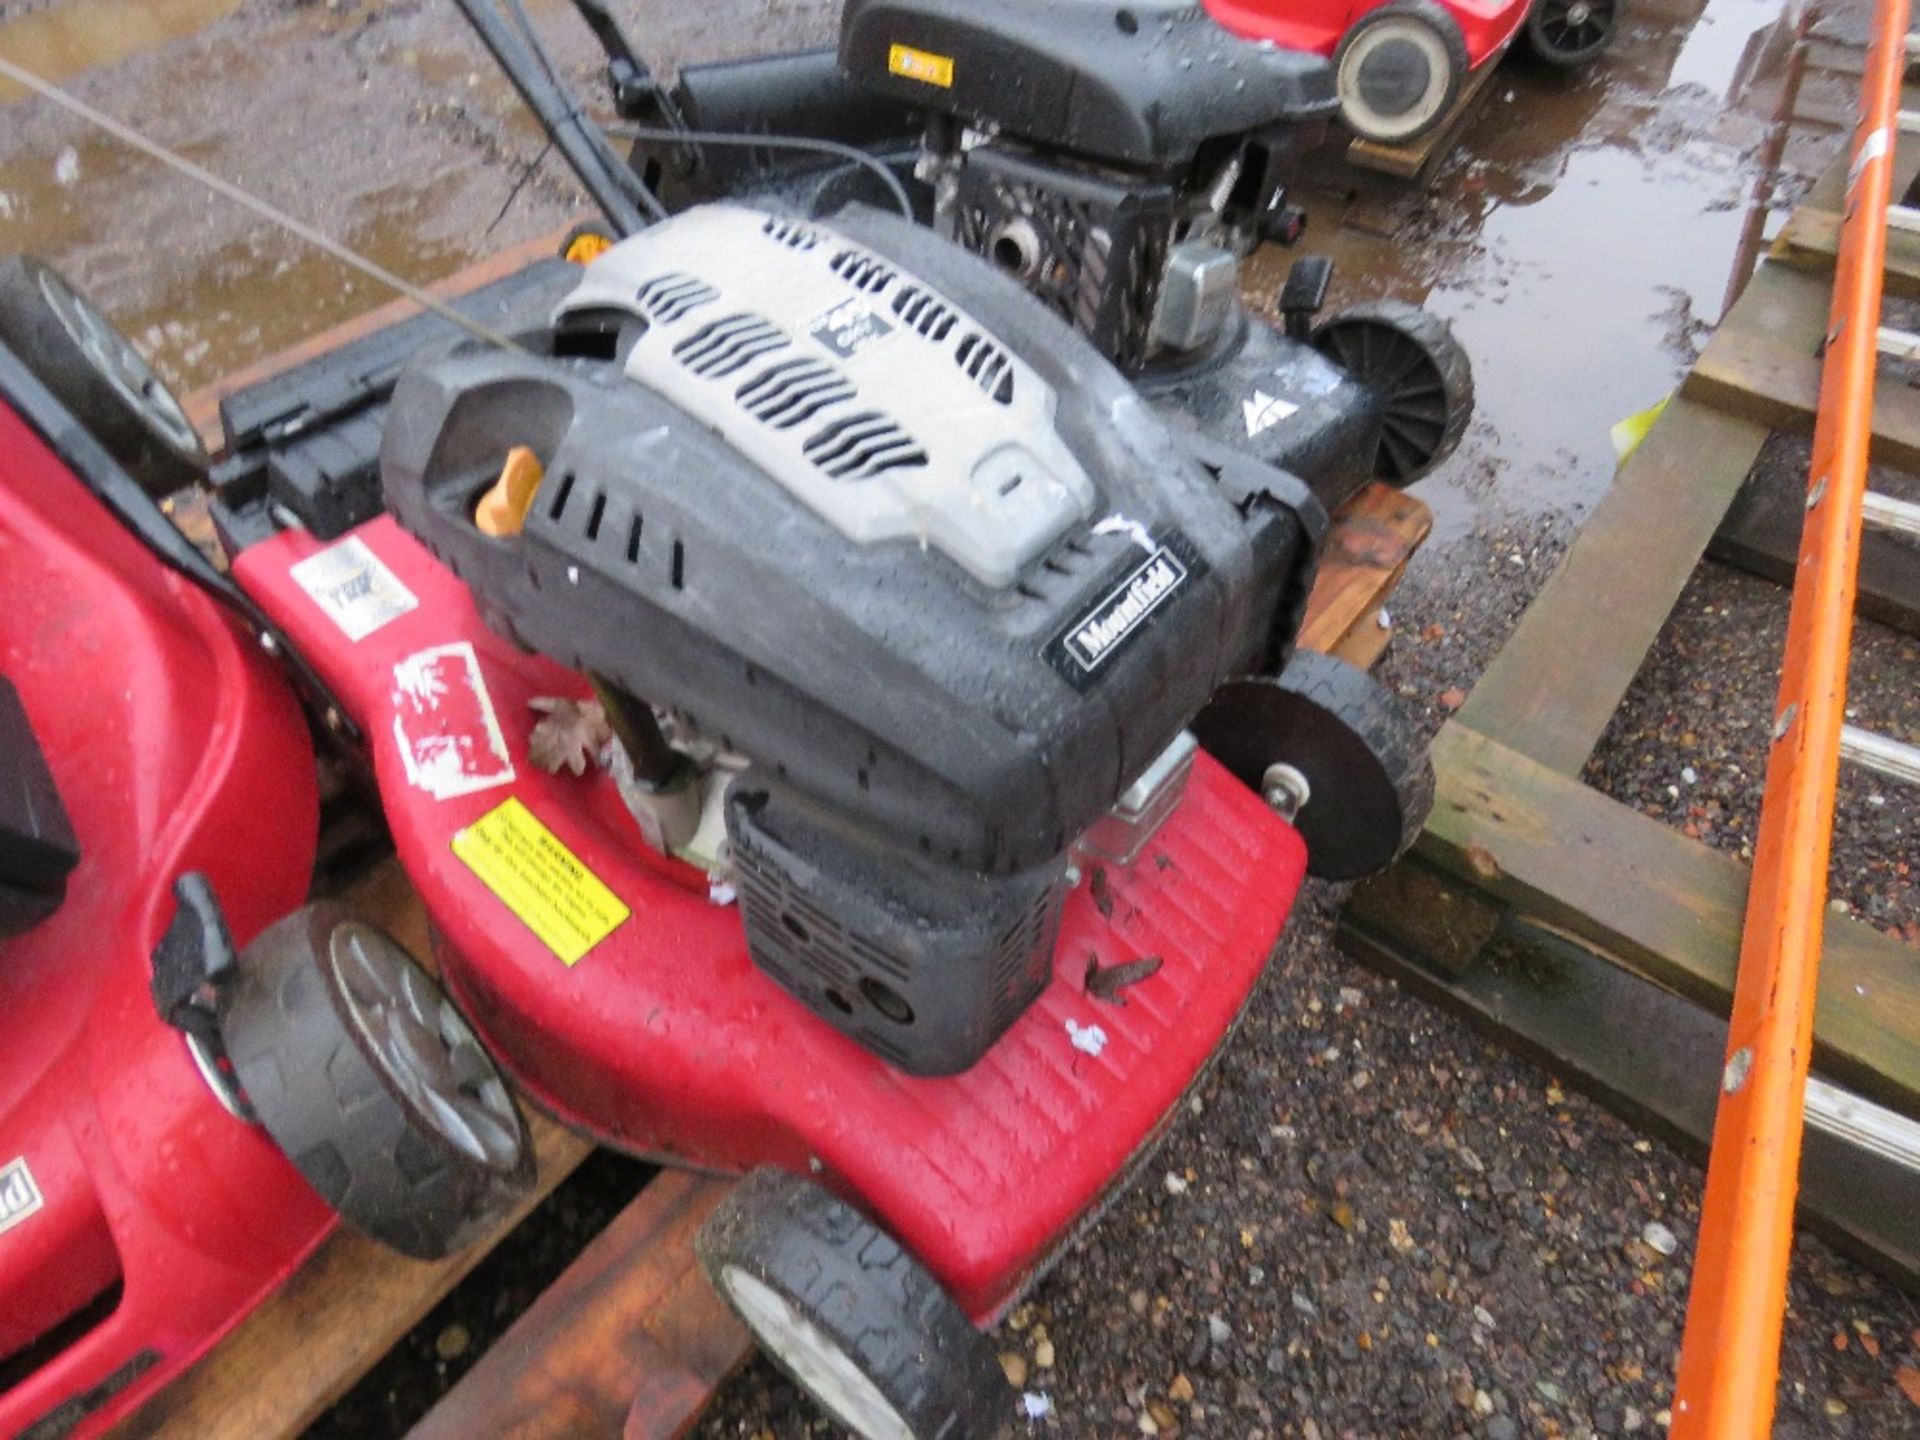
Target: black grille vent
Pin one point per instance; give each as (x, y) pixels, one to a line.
(667, 298)
(863, 272)
(790, 233)
(1022, 962)
(862, 446)
(924, 312)
(725, 346)
(986, 365)
(791, 392)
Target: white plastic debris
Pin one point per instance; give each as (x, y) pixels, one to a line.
(1659, 1238)
(1037, 1406)
(1087, 1039)
(1175, 1184)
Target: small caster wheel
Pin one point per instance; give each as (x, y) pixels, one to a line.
(1410, 358)
(357, 1064)
(1399, 70)
(1570, 33)
(850, 1317)
(1331, 750)
(94, 371)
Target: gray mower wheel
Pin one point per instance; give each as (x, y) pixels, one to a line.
(850, 1317)
(357, 1064)
(95, 372)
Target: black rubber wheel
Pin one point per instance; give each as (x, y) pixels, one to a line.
(94, 371)
(1570, 33)
(1398, 71)
(850, 1317)
(1408, 357)
(357, 1064)
(1369, 782)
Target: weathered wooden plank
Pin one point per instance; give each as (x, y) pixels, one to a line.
(1374, 536)
(1556, 683)
(1664, 906)
(1810, 240)
(631, 1326)
(1771, 383)
(1656, 1058)
(314, 1337)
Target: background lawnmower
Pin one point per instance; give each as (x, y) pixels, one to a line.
(1401, 65)
(1119, 162)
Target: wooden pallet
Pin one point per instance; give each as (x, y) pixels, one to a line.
(1578, 928)
(630, 1340)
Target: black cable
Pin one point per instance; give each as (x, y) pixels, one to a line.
(622, 175)
(772, 142)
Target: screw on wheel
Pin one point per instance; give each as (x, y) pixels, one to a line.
(1570, 33)
(1326, 746)
(97, 375)
(1411, 361)
(850, 1317)
(358, 1065)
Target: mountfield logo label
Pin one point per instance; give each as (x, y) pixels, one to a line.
(1098, 635)
(19, 1196)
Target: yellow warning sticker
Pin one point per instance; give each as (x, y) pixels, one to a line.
(540, 880)
(921, 65)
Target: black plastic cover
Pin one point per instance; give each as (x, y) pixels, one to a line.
(925, 965)
(304, 444)
(804, 94)
(880, 682)
(1276, 400)
(1143, 83)
(37, 845)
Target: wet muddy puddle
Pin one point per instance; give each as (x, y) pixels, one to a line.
(1580, 237)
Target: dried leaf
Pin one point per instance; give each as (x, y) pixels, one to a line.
(1105, 982)
(1102, 892)
(569, 735)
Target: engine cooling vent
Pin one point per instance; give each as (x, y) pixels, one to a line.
(791, 392)
(924, 312)
(986, 365)
(728, 345)
(824, 362)
(862, 271)
(791, 233)
(859, 447)
(667, 298)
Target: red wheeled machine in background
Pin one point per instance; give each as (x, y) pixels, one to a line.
(158, 804)
(1400, 65)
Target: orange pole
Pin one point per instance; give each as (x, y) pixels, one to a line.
(1730, 1356)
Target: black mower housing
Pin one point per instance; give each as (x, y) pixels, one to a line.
(1143, 84)
(879, 685)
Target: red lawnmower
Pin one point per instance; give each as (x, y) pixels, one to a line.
(186, 1037)
(840, 731)
(1400, 65)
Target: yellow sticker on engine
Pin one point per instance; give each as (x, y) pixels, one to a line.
(540, 880)
(922, 65)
